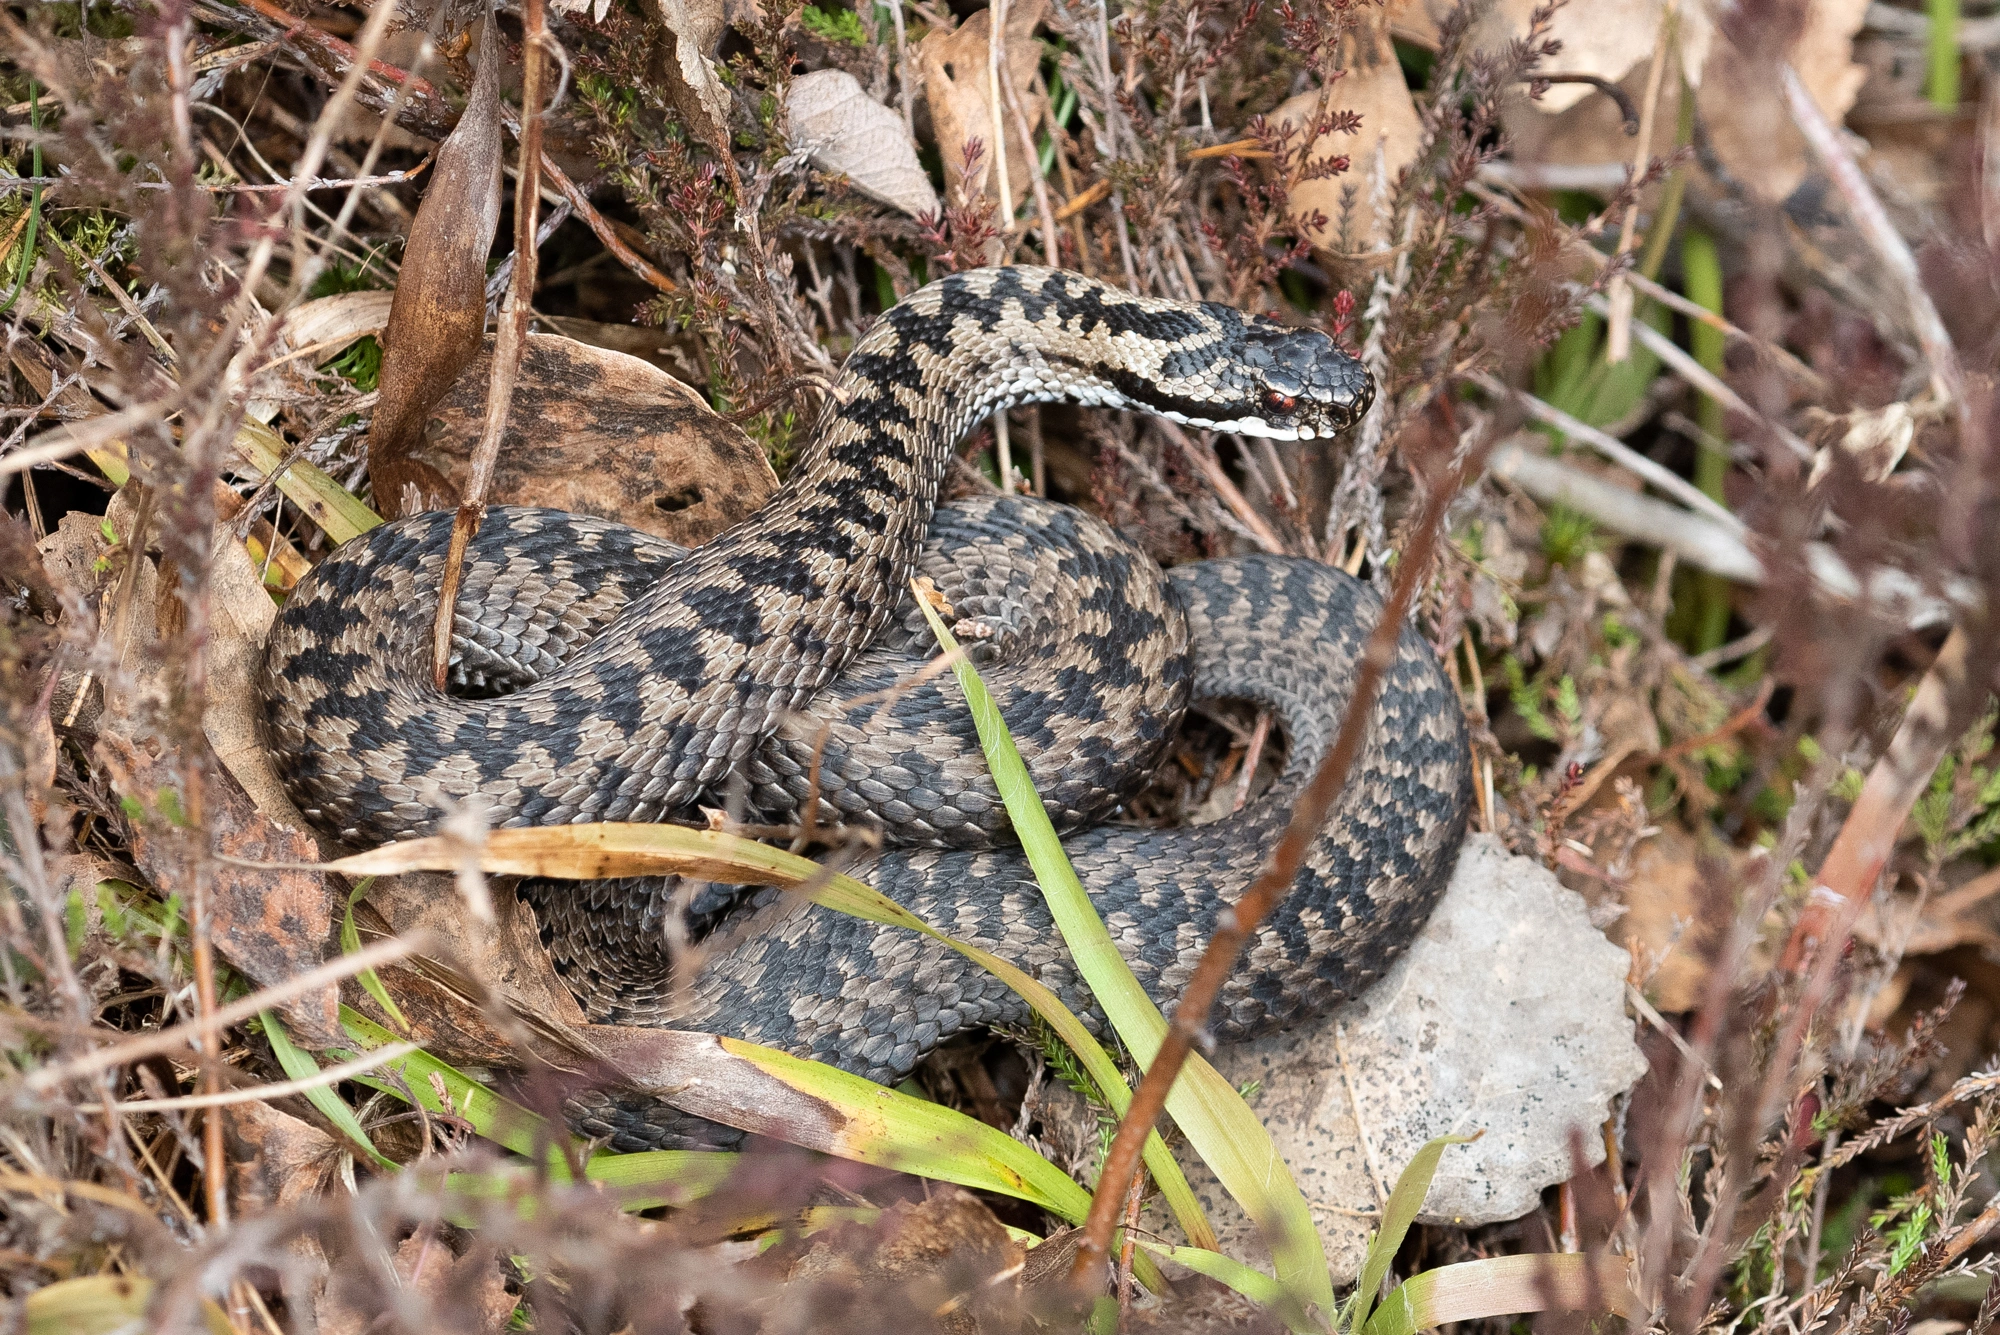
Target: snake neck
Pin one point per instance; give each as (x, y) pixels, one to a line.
(956, 352)
(932, 368)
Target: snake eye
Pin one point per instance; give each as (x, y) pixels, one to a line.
(1279, 403)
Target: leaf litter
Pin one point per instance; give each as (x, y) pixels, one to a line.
(1729, 671)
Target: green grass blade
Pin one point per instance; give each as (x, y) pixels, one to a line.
(1503, 1286)
(27, 262)
(350, 944)
(1252, 1283)
(1942, 55)
(1214, 1118)
(1397, 1216)
(634, 849)
(299, 1065)
(849, 896)
(643, 1181)
(423, 1076)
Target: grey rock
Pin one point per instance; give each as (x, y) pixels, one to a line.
(1506, 1016)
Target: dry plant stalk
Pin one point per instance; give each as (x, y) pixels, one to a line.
(510, 341)
(1219, 957)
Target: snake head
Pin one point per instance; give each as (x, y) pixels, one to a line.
(1302, 385)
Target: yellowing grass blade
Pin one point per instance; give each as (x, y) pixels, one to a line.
(1213, 1117)
(585, 852)
(892, 1130)
(101, 1305)
(1503, 1285)
(325, 501)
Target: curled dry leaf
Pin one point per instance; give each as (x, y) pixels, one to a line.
(602, 433)
(1347, 214)
(240, 616)
(329, 324)
(844, 131)
(439, 307)
(1603, 38)
(269, 924)
(955, 73)
(1877, 438)
(686, 64)
(312, 332)
(1742, 103)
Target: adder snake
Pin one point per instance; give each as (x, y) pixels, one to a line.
(601, 674)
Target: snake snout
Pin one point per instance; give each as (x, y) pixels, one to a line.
(1311, 389)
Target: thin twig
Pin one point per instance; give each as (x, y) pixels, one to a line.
(1692, 371)
(1618, 330)
(1211, 468)
(332, 1075)
(179, 1036)
(996, 52)
(1947, 381)
(1617, 451)
(1012, 95)
(1252, 754)
(599, 226)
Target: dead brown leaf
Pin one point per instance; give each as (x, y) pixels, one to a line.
(1668, 922)
(436, 1291)
(269, 924)
(279, 1160)
(946, 1258)
(1387, 142)
(955, 73)
(850, 134)
(1741, 102)
(1948, 920)
(1737, 93)
(685, 63)
(598, 432)
(439, 308)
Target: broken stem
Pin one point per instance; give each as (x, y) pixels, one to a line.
(508, 342)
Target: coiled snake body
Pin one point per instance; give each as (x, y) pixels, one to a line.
(605, 675)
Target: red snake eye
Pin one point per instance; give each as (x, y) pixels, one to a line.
(1277, 402)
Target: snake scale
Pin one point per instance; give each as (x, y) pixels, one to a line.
(602, 674)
